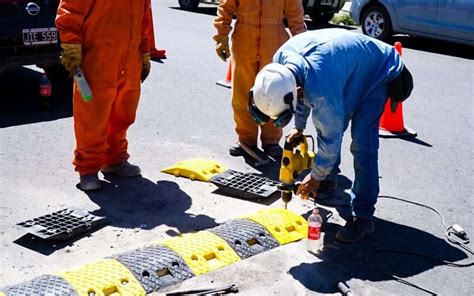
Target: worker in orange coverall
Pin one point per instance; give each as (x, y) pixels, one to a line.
(108, 40)
(259, 31)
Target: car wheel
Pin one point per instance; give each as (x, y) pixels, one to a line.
(190, 5)
(376, 23)
(320, 18)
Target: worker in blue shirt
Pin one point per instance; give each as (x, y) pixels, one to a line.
(338, 76)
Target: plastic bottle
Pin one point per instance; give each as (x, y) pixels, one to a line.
(83, 86)
(45, 86)
(315, 223)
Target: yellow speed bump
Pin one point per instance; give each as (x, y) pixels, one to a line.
(285, 226)
(106, 277)
(196, 169)
(202, 251)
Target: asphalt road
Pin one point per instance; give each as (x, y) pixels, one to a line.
(182, 115)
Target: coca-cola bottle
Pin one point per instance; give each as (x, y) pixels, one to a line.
(315, 223)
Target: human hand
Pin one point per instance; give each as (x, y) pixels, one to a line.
(308, 188)
(71, 57)
(146, 66)
(222, 47)
(293, 134)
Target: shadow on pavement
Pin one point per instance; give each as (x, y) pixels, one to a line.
(21, 103)
(343, 262)
(140, 203)
(435, 46)
(202, 10)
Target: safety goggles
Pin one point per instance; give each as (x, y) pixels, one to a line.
(282, 119)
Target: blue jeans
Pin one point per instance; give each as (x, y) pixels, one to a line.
(364, 148)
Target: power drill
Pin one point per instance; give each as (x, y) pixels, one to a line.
(293, 162)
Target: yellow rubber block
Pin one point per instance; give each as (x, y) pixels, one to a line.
(1, 294)
(196, 169)
(285, 226)
(202, 251)
(106, 277)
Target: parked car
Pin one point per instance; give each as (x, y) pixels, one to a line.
(320, 11)
(28, 35)
(451, 20)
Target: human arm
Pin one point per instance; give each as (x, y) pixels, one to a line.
(294, 14)
(222, 23)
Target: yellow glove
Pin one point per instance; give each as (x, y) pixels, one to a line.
(146, 66)
(71, 57)
(222, 46)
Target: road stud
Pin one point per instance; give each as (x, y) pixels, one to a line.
(284, 225)
(196, 169)
(106, 277)
(202, 251)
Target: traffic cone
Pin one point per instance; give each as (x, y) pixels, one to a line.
(392, 124)
(227, 82)
(157, 53)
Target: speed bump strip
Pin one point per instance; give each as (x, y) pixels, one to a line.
(203, 251)
(196, 169)
(246, 237)
(103, 278)
(155, 267)
(50, 285)
(284, 225)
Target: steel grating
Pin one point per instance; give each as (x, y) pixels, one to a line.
(203, 251)
(46, 285)
(246, 237)
(155, 267)
(284, 225)
(245, 185)
(103, 278)
(62, 224)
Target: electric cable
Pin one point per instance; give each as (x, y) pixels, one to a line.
(454, 234)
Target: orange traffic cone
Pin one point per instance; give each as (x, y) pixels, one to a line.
(391, 124)
(157, 53)
(227, 82)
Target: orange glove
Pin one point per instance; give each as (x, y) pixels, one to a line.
(71, 57)
(146, 66)
(222, 46)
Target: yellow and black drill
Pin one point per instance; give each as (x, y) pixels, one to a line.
(293, 163)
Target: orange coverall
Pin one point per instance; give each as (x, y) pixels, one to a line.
(259, 32)
(113, 35)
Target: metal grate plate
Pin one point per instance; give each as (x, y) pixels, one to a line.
(245, 185)
(203, 251)
(103, 278)
(284, 225)
(155, 267)
(46, 285)
(246, 237)
(62, 225)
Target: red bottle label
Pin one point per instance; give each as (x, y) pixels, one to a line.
(314, 232)
(45, 90)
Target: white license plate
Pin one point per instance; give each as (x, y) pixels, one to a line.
(40, 36)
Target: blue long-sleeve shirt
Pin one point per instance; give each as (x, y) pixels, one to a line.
(336, 69)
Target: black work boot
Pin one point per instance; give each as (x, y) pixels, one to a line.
(274, 150)
(355, 230)
(236, 150)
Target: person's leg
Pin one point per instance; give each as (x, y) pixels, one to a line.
(244, 70)
(91, 118)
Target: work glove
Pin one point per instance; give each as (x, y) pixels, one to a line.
(146, 66)
(71, 57)
(222, 46)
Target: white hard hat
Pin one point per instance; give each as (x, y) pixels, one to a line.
(272, 86)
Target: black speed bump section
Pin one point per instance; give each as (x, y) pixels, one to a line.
(247, 238)
(106, 277)
(203, 251)
(50, 285)
(155, 267)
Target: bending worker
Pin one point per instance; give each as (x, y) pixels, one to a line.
(339, 76)
(108, 40)
(259, 32)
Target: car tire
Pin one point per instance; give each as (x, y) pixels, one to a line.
(321, 18)
(190, 5)
(376, 23)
